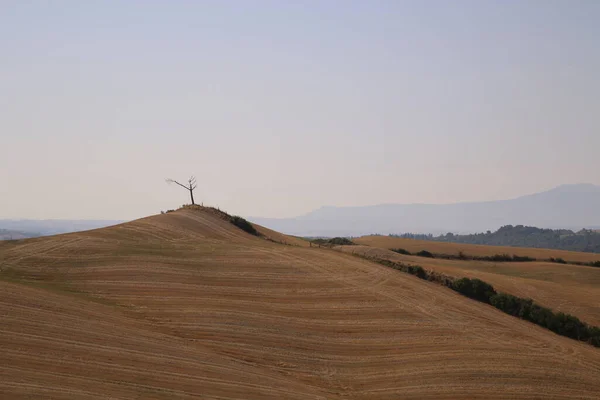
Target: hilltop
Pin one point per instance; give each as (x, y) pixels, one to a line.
(567, 207)
(186, 304)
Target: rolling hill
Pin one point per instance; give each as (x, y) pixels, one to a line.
(568, 206)
(186, 305)
(573, 289)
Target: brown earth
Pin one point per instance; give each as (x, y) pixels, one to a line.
(186, 305)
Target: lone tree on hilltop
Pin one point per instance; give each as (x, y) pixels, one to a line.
(190, 186)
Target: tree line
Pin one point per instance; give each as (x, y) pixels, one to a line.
(585, 240)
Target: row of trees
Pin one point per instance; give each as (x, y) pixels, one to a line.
(523, 236)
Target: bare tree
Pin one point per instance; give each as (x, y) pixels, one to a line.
(190, 186)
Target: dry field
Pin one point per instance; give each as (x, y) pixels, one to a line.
(413, 246)
(185, 305)
(568, 288)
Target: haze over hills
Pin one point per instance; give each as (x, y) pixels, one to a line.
(6, 234)
(22, 228)
(567, 206)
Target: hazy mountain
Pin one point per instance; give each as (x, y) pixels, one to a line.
(6, 234)
(21, 228)
(567, 206)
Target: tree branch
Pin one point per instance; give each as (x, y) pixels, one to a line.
(174, 181)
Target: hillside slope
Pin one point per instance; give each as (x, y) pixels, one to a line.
(572, 289)
(313, 322)
(64, 346)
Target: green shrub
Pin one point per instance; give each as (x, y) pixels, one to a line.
(340, 241)
(561, 323)
(507, 303)
(593, 336)
(401, 251)
(418, 271)
(425, 253)
(244, 225)
(558, 260)
(500, 257)
(594, 264)
(522, 258)
(474, 288)
(541, 316)
(505, 258)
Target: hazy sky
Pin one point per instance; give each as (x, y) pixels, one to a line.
(280, 107)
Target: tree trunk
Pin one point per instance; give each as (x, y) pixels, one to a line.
(192, 196)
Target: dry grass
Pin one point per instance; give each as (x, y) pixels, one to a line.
(413, 246)
(568, 288)
(194, 307)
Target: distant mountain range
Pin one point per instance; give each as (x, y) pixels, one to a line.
(565, 207)
(24, 228)
(6, 234)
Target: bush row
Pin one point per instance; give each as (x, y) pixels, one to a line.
(494, 258)
(594, 264)
(463, 256)
(560, 323)
(336, 241)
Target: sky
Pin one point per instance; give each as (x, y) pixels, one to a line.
(279, 108)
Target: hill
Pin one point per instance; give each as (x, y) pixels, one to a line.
(568, 206)
(186, 305)
(572, 289)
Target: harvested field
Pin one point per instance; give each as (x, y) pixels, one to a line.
(186, 305)
(414, 246)
(66, 347)
(572, 289)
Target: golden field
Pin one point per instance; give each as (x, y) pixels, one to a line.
(572, 289)
(414, 246)
(185, 305)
